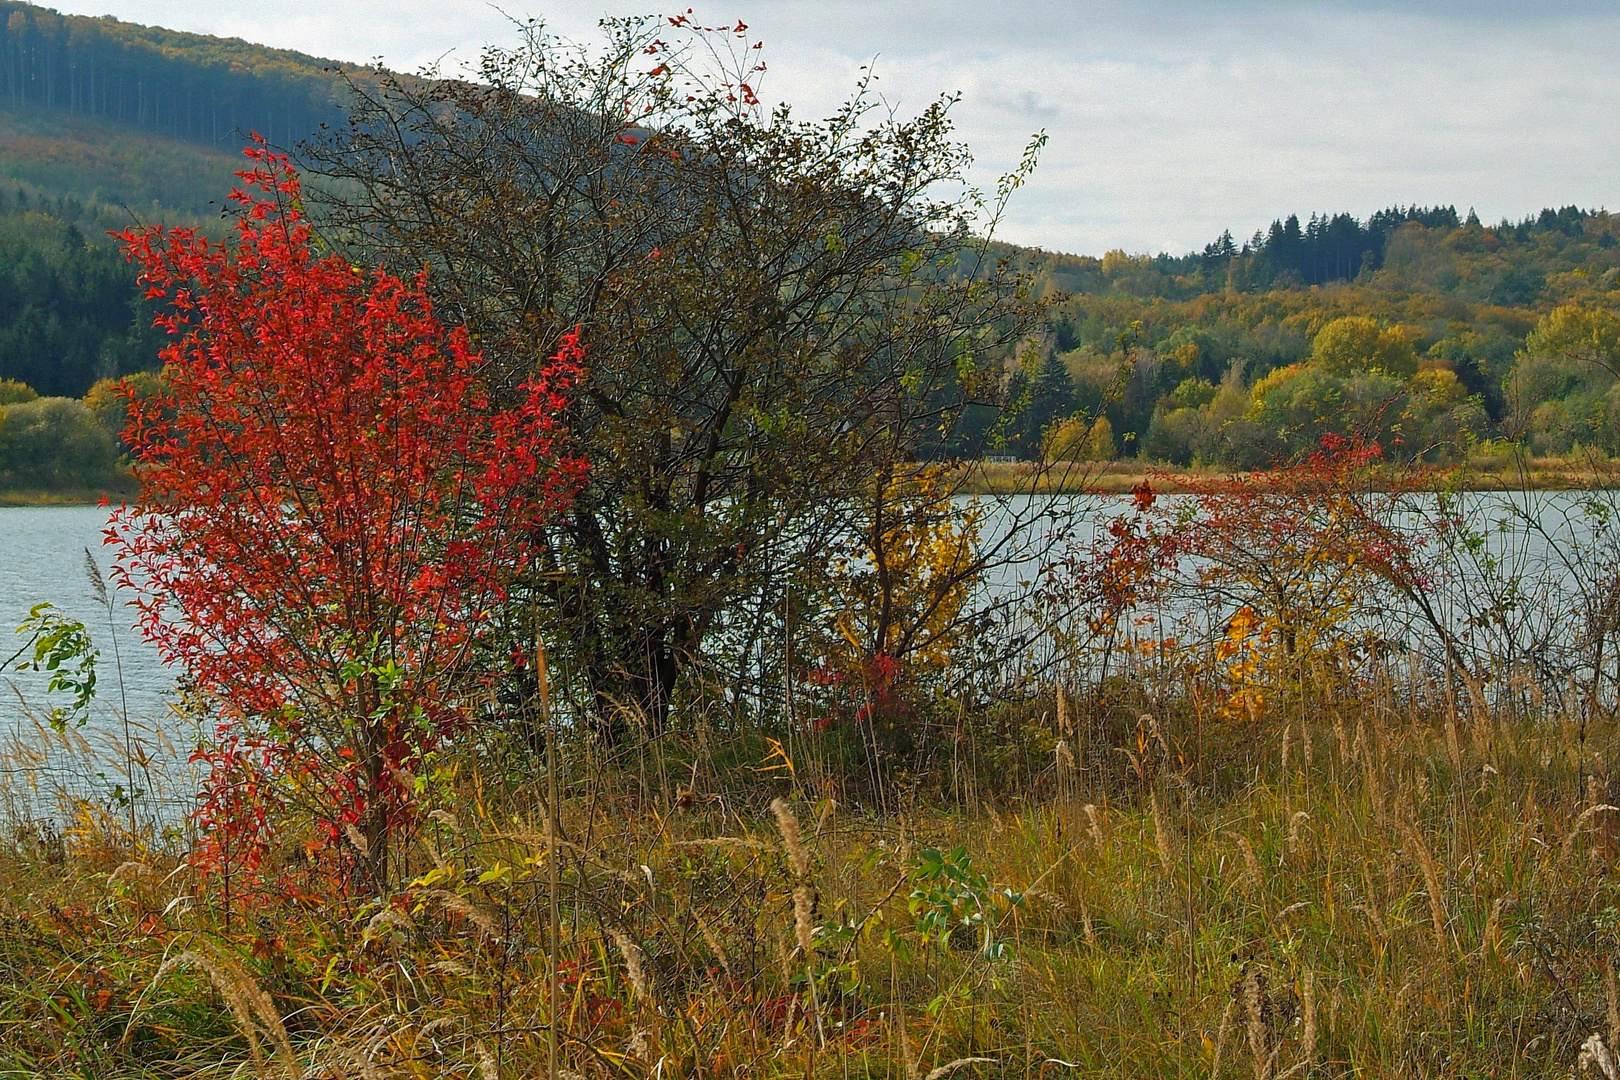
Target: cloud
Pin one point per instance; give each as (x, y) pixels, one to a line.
(1169, 120)
(1027, 105)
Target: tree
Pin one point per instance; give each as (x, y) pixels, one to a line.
(1562, 388)
(1049, 402)
(1291, 409)
(1441, 420)
(186, 86)
(1357, 343)
(15, 392)
(69, 308)
(1081, 439)
(779, 311)
(1573, 332)
(109, 399)
(333, 508)
(55, 443)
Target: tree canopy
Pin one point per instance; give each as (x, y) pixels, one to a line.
(776, 309)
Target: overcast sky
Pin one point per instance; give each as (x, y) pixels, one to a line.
(1170, 120)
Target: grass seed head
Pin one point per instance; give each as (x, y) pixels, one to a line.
(634, 963)
(788, 825)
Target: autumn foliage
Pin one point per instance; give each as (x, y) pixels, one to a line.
(898, 608)
(333, 507)
(1250, 577)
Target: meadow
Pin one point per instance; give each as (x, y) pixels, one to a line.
(1390, 877)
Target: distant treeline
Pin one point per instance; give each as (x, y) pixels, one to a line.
(185, 86)
(1180, 354)
(1328, 248)
(1340, 248)
(70, 309)
(1325, 249)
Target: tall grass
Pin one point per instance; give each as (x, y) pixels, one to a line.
(1386, 884)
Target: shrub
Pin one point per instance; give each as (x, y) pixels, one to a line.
(14, 392)
(1250, 580)
(55, 443)
(899, 609)
(332, 506)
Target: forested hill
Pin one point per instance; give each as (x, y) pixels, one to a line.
(1430, 346)
(105, 124)
(185, 86)
(147, 120)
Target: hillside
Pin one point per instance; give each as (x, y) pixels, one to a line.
(106, 124)
(145, 118)
(1203, 358)
(125, 174)
(185, 86)
(1214, 357)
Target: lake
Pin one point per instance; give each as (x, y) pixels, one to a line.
(42, 560)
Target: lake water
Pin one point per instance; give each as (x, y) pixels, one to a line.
(42, 560)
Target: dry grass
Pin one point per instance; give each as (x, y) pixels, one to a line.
(1433, 895)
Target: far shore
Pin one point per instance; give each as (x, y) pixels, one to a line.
(64, 497)
(1504, 473)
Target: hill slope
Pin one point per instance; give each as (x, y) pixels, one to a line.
(112, 111)
(103, 123)
(122, 174)
(187, 86)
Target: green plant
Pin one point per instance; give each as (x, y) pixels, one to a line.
(951, 901)
(61, 646)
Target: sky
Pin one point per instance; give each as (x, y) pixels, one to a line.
(1168, 120)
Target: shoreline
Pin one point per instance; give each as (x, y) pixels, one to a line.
(17, 499)
(1087, 478)
(1120, 477)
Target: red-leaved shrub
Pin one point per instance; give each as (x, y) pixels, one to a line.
(333, 508)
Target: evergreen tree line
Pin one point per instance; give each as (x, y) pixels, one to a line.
(1339, 247)
(184, 86)
(1328, 248)
(70, 309)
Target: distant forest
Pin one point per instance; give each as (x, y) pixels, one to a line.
(185, 86)
(1326, 249)
(1212, 357)
(1217, 357)
(70, 310)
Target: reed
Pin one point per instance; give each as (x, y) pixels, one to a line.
(1409, 900)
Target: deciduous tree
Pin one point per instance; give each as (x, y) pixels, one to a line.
(779, 311)
(1357, 343)
(333, 508)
